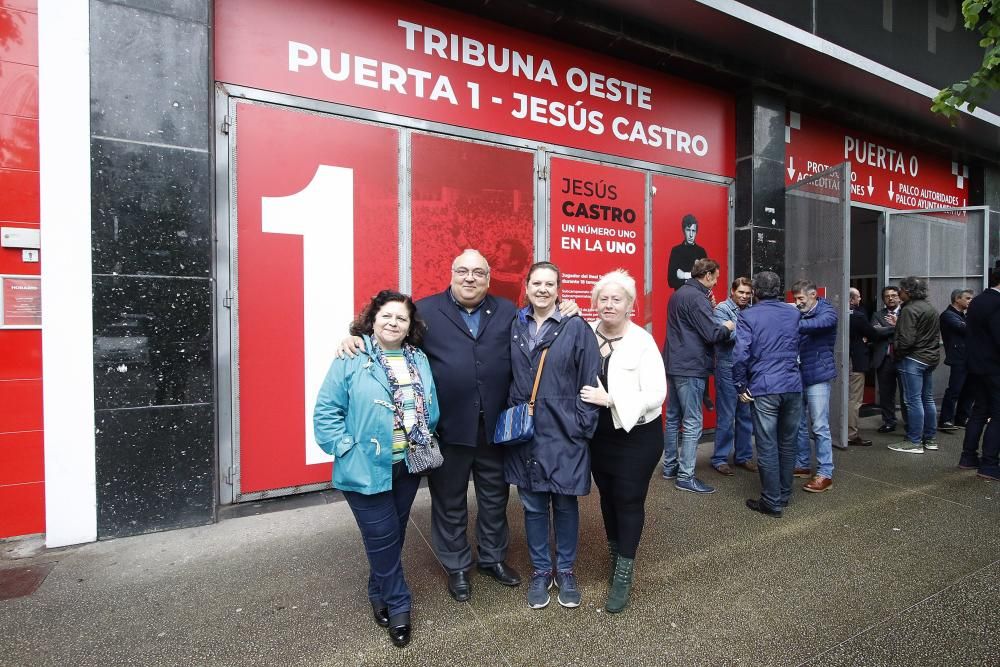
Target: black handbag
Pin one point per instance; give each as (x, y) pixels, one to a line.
(516, 425)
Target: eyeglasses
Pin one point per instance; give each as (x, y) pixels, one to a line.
(478, 274)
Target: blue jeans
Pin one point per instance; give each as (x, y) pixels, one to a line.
(566, 517)
(776, 427)
(816, 421)
(382, 520)
(918, 392)
(734, 424)
(683, 408)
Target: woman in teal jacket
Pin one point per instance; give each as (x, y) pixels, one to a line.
(369, 409)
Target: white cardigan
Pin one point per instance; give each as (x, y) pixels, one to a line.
(637, 380)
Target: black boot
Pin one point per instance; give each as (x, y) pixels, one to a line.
(621, 587)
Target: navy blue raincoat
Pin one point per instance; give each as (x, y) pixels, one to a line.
(557, 460)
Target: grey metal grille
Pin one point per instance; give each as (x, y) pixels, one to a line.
(947, 247)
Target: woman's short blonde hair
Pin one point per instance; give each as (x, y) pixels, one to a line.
(618, 277)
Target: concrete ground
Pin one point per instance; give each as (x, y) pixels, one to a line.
(897, 565)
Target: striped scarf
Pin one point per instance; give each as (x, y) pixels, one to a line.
(420, 434)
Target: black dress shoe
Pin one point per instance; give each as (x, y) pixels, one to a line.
(458, 586)
(400, 635)
(885, 428)
(399, 629)
(381, 615)
(859, 442)
(758, 506)
(503, 573)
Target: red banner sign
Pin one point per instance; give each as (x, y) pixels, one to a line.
(598, 221)
(884, 173)
(425, 62)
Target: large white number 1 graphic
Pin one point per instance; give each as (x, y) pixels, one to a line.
(323, 215)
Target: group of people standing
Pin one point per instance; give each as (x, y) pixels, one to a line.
(466, 355)
(907, 336)
(701, 341)
(451, 363)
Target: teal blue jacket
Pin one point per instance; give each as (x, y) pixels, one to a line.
(353, 420)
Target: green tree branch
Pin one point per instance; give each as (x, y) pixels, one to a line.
(982, 16)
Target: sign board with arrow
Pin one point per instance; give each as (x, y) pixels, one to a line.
(883, 172)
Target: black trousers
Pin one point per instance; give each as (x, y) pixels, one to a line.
(622, 465)
(956, 404)
(985, 417)
(888, 381)
(449, 486)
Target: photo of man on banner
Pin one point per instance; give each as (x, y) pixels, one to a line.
(684, 254)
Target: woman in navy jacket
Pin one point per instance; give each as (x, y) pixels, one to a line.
(554, 467)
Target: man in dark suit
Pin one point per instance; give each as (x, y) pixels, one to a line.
(953, 333)
(884, 321)
(468, 345)
(982, 341)
(861, 332)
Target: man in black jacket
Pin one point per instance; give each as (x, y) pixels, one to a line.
(688, 355)
(861, 332)
(982, 341)
(884, 321)
(468, 343)
(953, 334)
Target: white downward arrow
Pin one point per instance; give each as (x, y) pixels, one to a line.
(791, 168)
(871, 188)
(890, 190)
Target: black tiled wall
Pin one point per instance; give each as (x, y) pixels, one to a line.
(152, 258)
(759, 243)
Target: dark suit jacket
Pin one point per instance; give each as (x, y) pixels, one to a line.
(860, 329)
(471, 374)
(883, 336)
(982, 334)
(953, 334)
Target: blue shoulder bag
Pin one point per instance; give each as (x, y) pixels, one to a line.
(516, 425)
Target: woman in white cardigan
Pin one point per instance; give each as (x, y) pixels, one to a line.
(629, 439)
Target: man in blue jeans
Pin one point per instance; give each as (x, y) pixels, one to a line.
(766, 373)
(917, 349)
(817, 337)
(688, 356)
(734, 427)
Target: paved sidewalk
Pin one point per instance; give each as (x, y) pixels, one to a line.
(898, 565)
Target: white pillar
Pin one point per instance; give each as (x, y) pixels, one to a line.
(67, 301)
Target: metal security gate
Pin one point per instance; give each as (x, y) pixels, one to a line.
(817, 240)
(948, 247)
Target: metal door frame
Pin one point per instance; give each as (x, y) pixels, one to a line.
(225, 251)
(843, 329)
